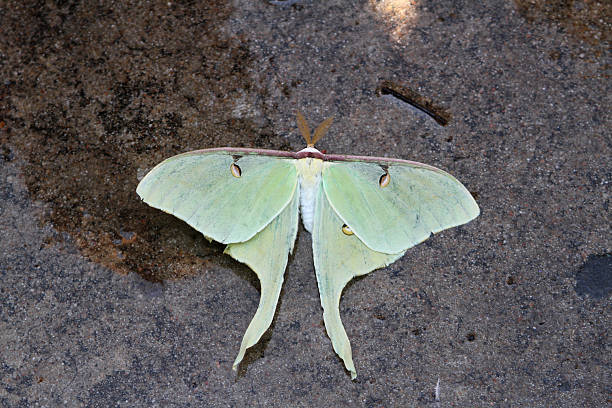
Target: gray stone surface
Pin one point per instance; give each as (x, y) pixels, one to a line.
(105, 302)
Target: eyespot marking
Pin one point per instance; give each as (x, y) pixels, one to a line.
(384, 180)
(347, 230)
(235, 170)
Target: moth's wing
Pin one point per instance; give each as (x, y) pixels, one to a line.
(267, 253)
(256, 214)
(337, 259)
(418, 201)
(199, 188)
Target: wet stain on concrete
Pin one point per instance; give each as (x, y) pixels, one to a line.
(90, 111)
(595, 277)
(588, 21)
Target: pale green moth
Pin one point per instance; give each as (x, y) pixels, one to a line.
(363, 214)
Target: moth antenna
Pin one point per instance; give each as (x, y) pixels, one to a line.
(322, 129)
(304, 130)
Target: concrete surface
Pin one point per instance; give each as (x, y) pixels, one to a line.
(105, 302)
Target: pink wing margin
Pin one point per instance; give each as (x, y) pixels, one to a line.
(302, 154)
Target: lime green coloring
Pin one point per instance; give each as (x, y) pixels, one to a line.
(363, 214)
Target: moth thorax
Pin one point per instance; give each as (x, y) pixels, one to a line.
(309, 149)
(309, 177)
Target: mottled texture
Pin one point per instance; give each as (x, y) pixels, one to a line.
(105, 302)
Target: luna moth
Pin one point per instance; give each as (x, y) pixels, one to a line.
(363, 214)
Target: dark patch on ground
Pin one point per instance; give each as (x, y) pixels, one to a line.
(588, 21)
(403, 93)
(88, 122)
(595, 277)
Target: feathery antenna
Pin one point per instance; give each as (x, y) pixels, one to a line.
(304, 130)
(322, 129)
(318, 133)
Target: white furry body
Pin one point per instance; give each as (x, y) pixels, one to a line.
(309, 178)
